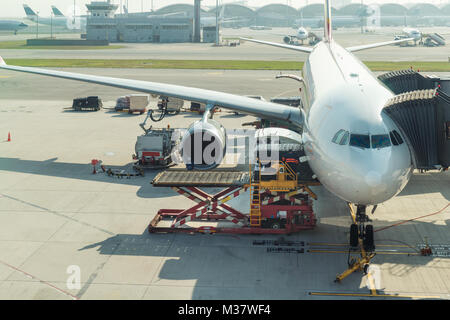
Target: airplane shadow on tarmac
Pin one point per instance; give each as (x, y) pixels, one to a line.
(222, 266)
(234, 267)
(84, 172)
(429, 182)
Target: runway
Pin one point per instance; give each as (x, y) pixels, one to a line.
(246, 51)
(55, 214)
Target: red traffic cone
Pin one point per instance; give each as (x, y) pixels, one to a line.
(9, 137)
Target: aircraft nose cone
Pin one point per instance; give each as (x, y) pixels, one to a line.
(373, 179)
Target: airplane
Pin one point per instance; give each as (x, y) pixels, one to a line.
(302, 35)
(413, 33)
(348, 139)
(12, 25)
(431, 39)
(72, 22)
(57, 20)
(57, 12)
(260, 28)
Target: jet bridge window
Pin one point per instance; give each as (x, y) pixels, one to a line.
(360, 140)
(396, 138)
(380, 141)
(341, 137)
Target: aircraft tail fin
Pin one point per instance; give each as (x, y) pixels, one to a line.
(29, 12)
(57, 12)
(327, 21)
(2, 62)
(222, 12)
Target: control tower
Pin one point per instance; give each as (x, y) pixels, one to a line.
(101, 9)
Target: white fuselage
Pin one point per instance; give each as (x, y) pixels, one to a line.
(412, 33)
(302, 33)
(342, 94)
(12, 25)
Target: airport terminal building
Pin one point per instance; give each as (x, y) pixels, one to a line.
(103, 24)
(175, 23)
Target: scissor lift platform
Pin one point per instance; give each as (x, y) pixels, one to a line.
(212, 178)
(271, 212)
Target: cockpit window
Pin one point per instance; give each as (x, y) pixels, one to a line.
(396, 138)
(380, 141)
(360, 140)
(341, 137)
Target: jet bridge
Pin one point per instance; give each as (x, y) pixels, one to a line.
(424, 118)
(409, 80)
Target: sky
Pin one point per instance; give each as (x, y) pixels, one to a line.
(13, 8)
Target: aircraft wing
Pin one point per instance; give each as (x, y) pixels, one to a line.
(375, 45)
(247, 105)
(280, 45)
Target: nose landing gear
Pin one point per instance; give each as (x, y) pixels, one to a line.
(362, 239)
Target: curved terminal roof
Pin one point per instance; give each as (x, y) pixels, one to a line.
(445, 9)
(180, 7)
(235, 10)
(423, 9)
(280, 9)
(352, 9)
(392, 9)
(315, 10)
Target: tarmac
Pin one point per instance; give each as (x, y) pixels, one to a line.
(57, 218)
(207, 51)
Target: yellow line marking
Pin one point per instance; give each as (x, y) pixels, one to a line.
(355, 252)
(371, 295)
(5, 76)
(372, 286)
(346, 244)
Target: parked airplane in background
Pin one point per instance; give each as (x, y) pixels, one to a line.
(302, 35)
(57, 12)
(347, 138)
(426, 39)
(12, 25)
(260, 28)
(56, 21)
(73, 23)
(413, 33)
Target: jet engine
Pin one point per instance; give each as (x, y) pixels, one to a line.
(204, 145)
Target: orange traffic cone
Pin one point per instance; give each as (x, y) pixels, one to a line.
(9, 137)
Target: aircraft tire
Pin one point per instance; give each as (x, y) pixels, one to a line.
(353, 235)
(368, 241)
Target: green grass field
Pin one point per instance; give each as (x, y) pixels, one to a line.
(215, 64)
(22, 44)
